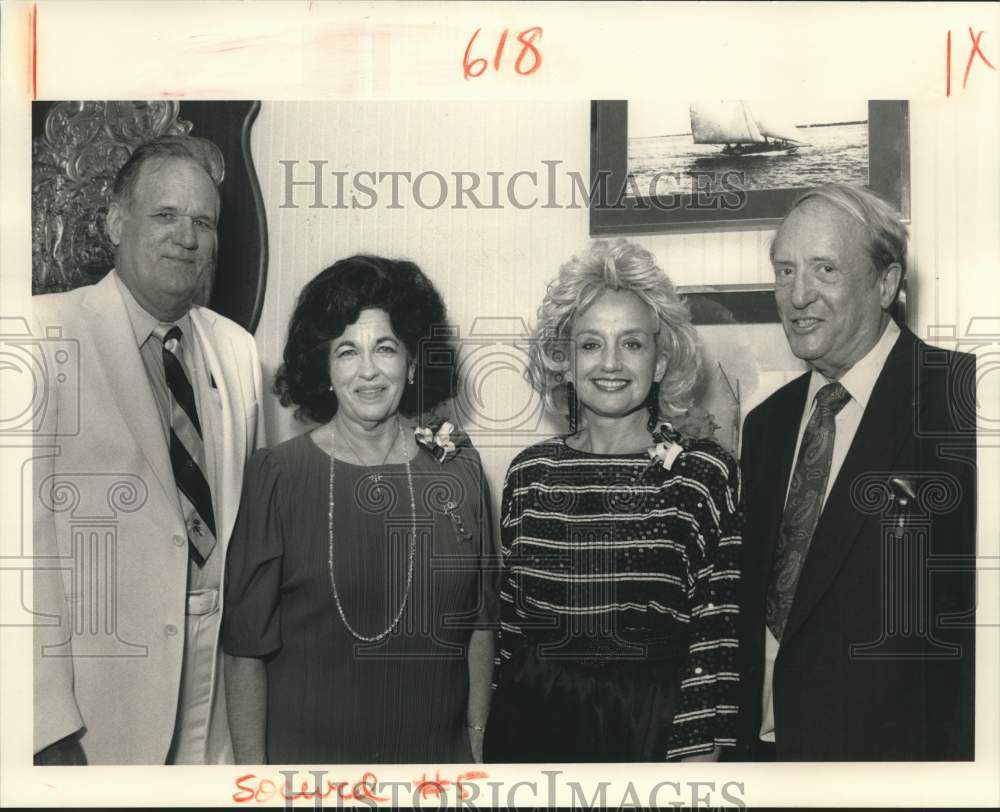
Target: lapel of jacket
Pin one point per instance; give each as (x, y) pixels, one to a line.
(886, 423)
(121, 364)
(225, 369)
(777, 451)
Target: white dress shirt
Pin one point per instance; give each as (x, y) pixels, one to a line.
(859, 381)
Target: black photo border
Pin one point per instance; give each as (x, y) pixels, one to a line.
(612, 213)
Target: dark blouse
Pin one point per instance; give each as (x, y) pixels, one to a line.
(608, 556)
(330, 697)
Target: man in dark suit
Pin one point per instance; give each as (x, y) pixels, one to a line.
(860, 482)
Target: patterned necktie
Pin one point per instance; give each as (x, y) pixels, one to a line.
(187, 450)
(804, 504)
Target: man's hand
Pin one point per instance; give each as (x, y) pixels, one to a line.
(66, 752)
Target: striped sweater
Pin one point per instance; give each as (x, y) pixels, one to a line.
(611, 556)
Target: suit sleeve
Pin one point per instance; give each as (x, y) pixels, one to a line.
(56, 714)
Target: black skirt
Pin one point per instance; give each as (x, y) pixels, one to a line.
(584, 710)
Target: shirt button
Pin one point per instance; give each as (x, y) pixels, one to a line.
(179, 541)
(171, 630)
(711, 605)
(697, 670)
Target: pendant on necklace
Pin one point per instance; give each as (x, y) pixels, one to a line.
(451, 511)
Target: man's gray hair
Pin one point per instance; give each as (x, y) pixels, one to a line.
(199, 150)
(887, 235)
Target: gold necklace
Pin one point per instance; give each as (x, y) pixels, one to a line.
(376, 477)
(412, 554)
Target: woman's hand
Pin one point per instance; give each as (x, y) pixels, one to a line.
(481, 648)
(476, 743)
(246, 693)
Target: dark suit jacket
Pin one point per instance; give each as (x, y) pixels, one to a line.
(868, 667)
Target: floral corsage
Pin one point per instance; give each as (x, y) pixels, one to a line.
(440, 441)
(673, 437)
(444, 442)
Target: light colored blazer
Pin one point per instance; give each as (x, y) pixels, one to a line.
(109, 534)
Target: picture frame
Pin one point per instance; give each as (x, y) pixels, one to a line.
(79, 146)
(745, 355)
(614, 211)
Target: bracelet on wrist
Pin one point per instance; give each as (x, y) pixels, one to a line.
(477, 728)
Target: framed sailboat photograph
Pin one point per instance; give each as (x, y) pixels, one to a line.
(665, 166)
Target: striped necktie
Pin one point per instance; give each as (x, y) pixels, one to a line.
(804, 504)
(187, 450)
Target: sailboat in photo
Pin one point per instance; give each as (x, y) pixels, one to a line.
(741, 130)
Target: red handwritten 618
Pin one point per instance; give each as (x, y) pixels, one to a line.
(529, 58)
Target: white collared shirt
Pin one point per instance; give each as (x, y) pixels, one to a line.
(859, 381)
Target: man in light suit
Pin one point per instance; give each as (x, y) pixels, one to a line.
(134, 507)
(860, 484)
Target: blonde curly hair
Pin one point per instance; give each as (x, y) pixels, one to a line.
(618, 265)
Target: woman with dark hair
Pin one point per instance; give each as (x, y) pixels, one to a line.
(360, 606)
(621, 540)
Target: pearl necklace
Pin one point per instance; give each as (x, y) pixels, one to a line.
(413, 549)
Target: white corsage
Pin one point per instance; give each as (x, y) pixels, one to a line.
(439, 442)
(664, 454)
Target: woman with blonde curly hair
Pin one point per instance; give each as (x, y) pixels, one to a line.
(621, 540)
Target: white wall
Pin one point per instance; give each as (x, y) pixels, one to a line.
(495, 263)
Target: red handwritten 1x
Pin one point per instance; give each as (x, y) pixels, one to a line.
(975, 51)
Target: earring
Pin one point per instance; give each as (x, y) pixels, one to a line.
(653, 407)
(409, 378)
(329, 388)
(573, 407)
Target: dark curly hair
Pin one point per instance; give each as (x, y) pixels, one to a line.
(333, 300)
